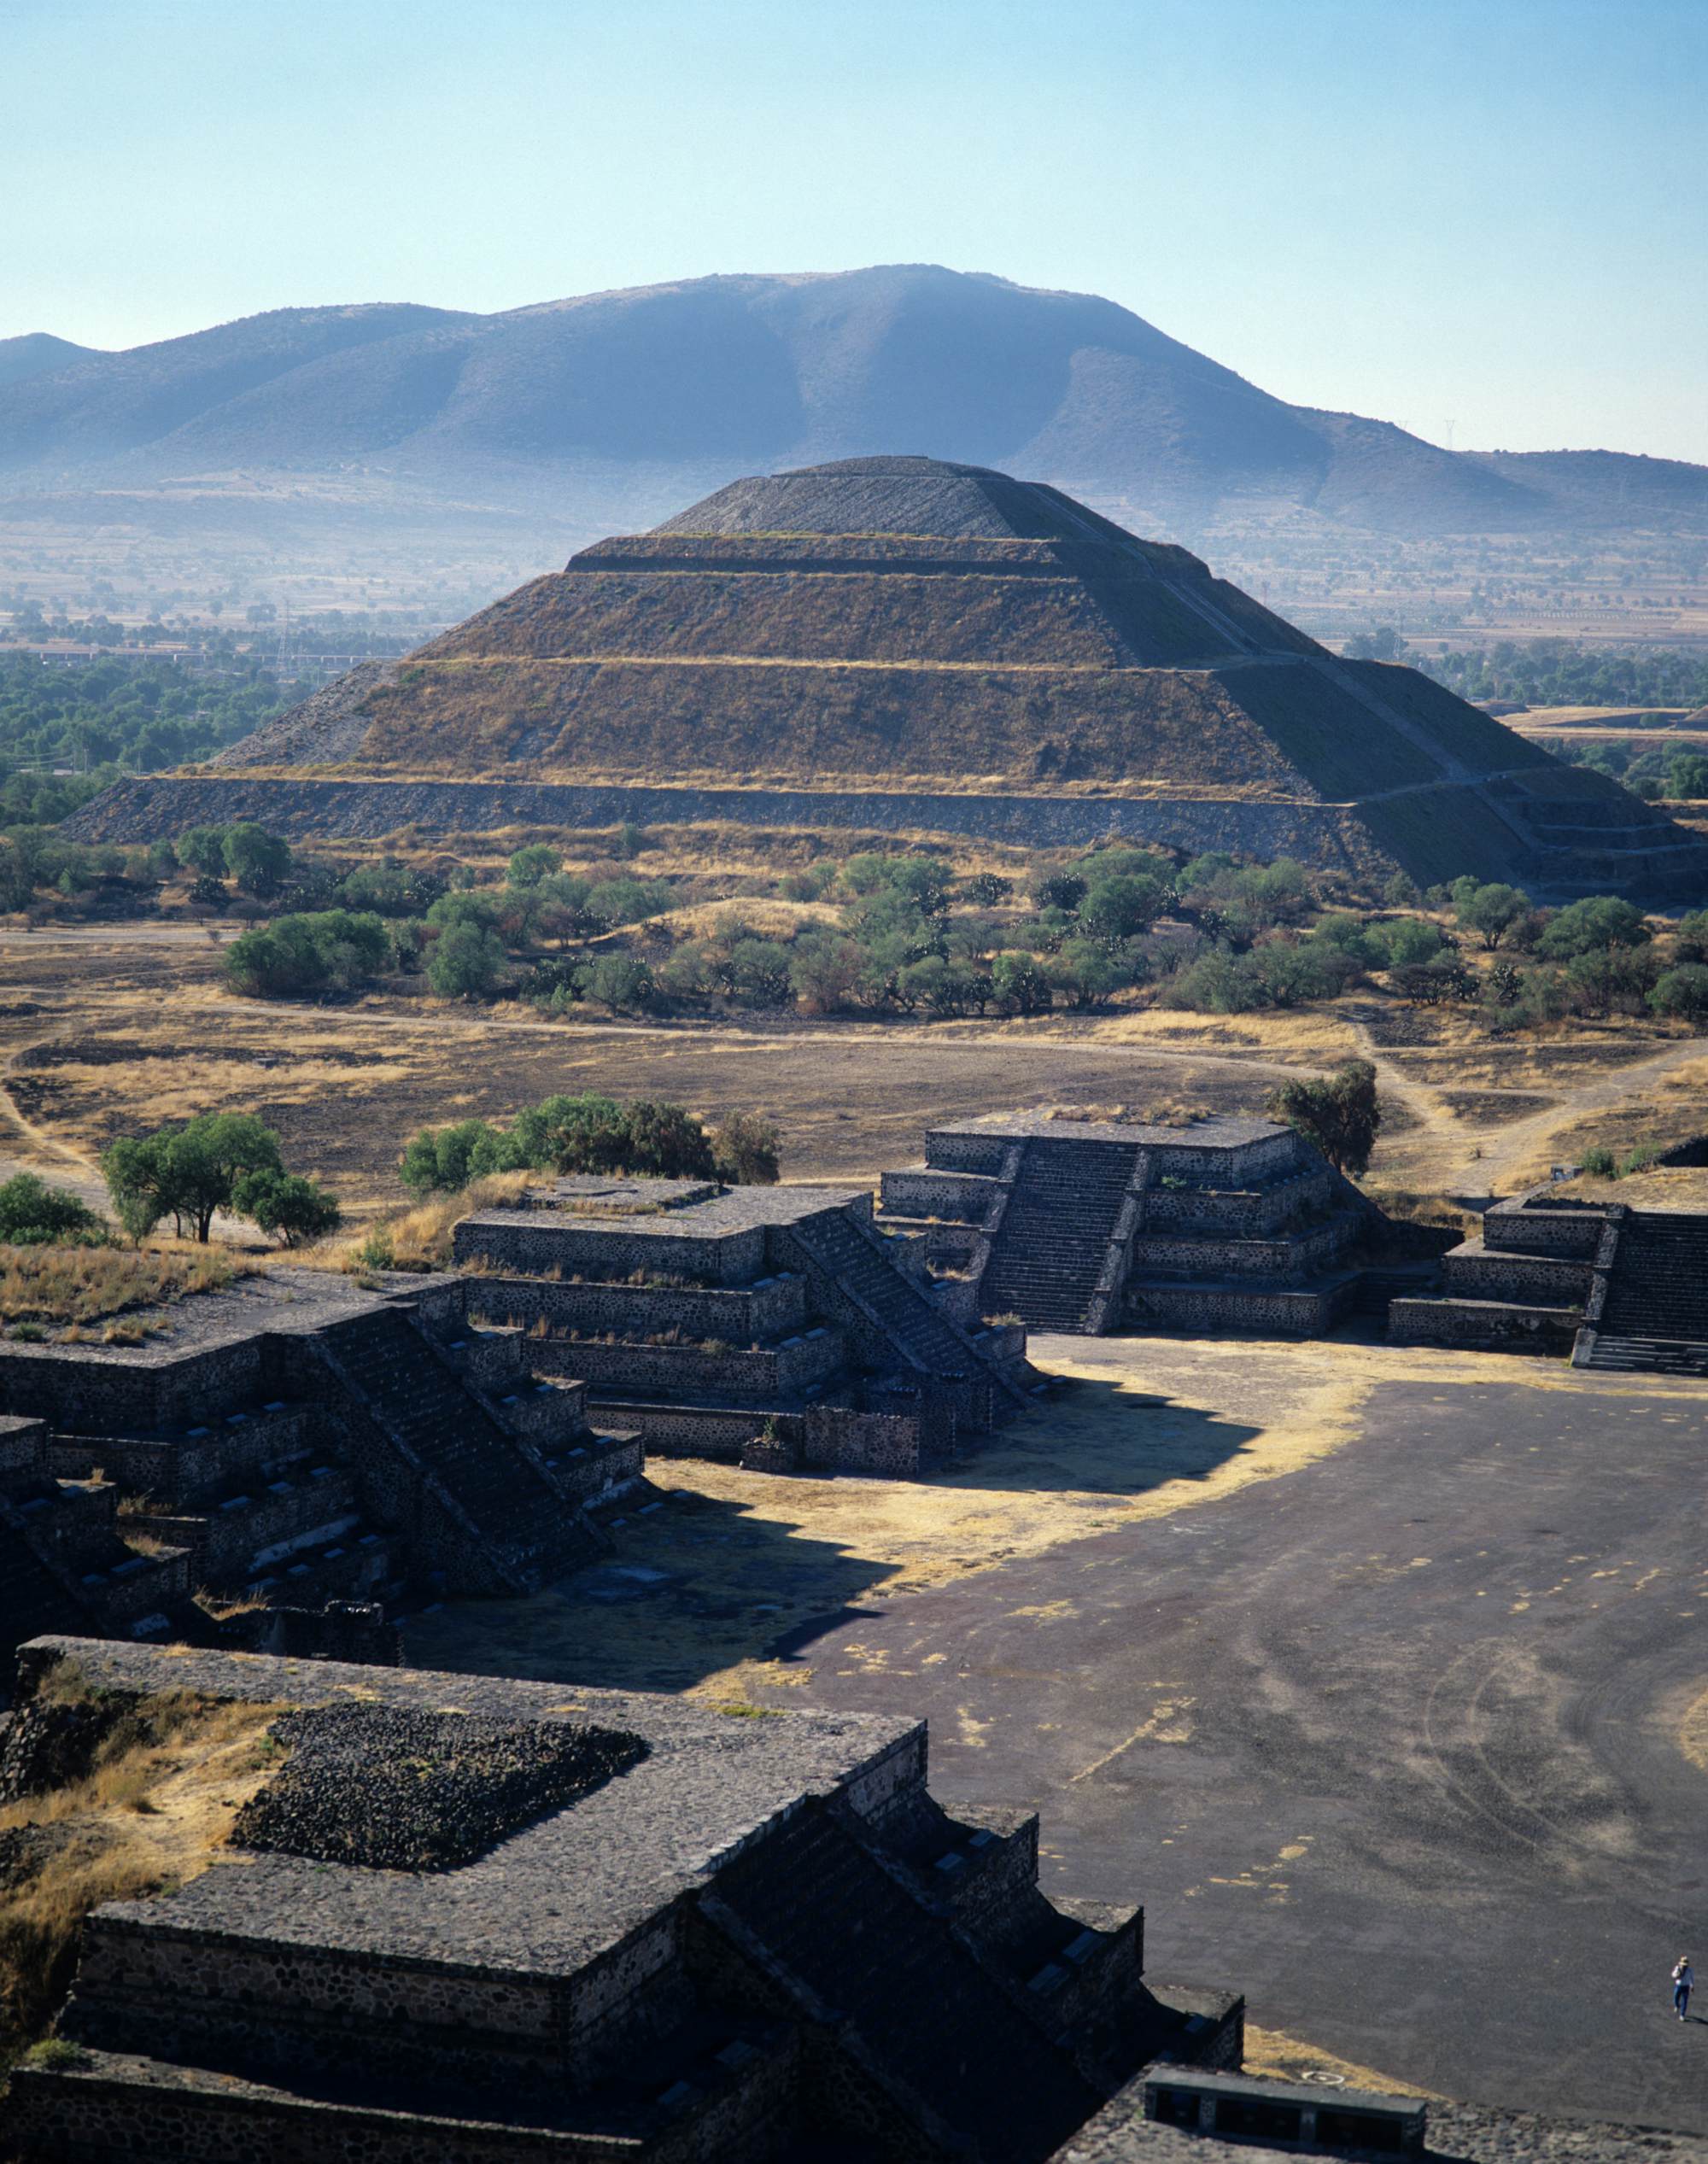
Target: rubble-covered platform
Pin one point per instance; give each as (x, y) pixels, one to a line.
(740, 1937)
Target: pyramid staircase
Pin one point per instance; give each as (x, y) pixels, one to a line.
(1654, 1315)
(855, 1257)
(1047, 1257)
(529, 1527)
(871, 1953)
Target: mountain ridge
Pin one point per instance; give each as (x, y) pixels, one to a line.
(626, 394)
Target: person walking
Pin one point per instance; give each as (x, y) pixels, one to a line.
(1683, 1977)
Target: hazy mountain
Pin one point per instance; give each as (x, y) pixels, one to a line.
(35, 354)
(638, 400)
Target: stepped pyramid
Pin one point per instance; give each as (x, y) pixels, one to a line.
(907, 645)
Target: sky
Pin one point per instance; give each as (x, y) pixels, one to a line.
(1487, 222)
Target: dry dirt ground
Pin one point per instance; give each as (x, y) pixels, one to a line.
(101, 1035)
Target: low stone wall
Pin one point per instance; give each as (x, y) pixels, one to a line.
(1270, 1310)
(949, 1152)
(716, 1431)
(732, 1313)
(770, 1371)
(533, 1244)
(590, 1469)
(884, 1445)
(964, 1198)
(1473, 1272)
(1489, 1326)
(1524, 1228)
(1283, 1261)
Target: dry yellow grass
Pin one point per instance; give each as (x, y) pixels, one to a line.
(68, 1289)
(419, 1238)
(156, 1808)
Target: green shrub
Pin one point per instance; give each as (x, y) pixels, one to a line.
(31, 1214)
(285, 1203)
(320, 952)
(466, 962)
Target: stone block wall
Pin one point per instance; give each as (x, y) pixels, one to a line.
(1523, 1227)
(1283, 1261)
(735, 1314)
(206, 1462)
(1239, 1213)
(758, 1376)
(143, 1392)
(883, 1446)
(1473, 1272)
(536, 1243)
(1269, 1310)
(1488, 1325)
(964, 1197)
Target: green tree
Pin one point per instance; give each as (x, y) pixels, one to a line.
(203, 849)
(747, 1145)
(1341, 1116)
(1682, 992)
(1598, 920)
(257, 860)
(187, 1172)
(1687, 777)
(538, 860)
(465, 962)
(287, 1204)
(1490, 911)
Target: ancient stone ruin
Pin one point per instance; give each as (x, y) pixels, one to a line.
(1089, 1226)
(1611, 1286)
(906, 645)
(768, 1325)
(295, 1441)
(737, 1940)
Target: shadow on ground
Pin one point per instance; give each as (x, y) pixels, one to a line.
(724, 1569)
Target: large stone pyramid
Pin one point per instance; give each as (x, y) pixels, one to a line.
(905, 645)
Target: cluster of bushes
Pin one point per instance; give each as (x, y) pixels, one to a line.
(34, 1214)
(591, 1133)
(222, 1161)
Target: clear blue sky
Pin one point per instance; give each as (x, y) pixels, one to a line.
(1492, 213)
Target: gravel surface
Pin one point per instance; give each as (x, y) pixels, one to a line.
(420, 1792)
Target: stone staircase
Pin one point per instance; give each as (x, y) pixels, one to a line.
(1655, 1315)
(416, 1397)
(882, 1962)
(857, 1260)
(1054, 1239)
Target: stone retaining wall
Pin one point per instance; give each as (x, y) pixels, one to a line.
(1285, 1261)
(1492, 1325)
(1521, 1228)
(607, 1253)
(963, 1196)
(732, 1313)
(1272, 1310)
(153, 808)
(770, 1371)
(1472, 1272)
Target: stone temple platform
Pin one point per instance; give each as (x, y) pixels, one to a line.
(1088, 1227)
(739, 1938)
(773, 1325)
(297, 1439)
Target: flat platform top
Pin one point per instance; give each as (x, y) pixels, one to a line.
(292, 1302)
(655, 1216)
(546, 1900)
(1219, 1131)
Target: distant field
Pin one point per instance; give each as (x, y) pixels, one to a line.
(100, 1037)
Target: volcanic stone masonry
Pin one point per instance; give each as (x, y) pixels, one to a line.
(1616, 1288)
(1089, 1226)
(730, 1940)
(296, 1440)
(906, 646)
(767, 1325)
